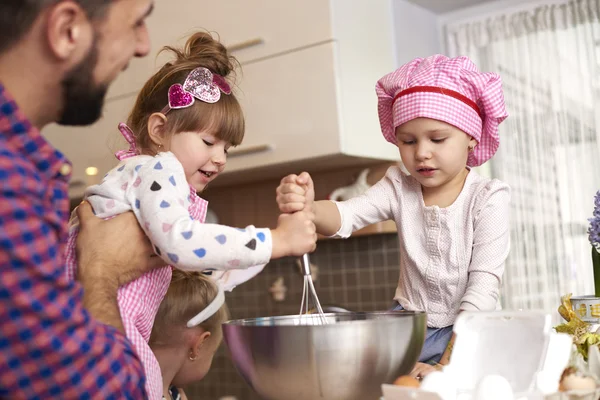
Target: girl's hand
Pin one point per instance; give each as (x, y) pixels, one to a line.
(421, 370)
(295, 235)
(296, 193)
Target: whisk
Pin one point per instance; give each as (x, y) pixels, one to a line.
(309, 292)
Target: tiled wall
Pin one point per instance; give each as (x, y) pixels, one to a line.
(359, 274)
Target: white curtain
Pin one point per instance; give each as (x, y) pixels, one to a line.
(549, 59)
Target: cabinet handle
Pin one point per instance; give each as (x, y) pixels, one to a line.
(246, 44)
(246, 151)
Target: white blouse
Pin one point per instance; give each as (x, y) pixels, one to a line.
(451, 258)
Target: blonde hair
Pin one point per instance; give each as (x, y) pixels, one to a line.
(223, 119)
(188, 294)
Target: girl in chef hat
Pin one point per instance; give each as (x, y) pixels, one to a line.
(453, 227)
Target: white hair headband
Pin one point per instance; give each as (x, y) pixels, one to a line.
(210, 310)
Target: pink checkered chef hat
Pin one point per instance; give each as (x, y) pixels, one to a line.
(451, 90)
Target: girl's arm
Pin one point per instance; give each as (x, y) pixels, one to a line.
(296, 193)
(159, 197)
(491, 244)
(377, 204)
(328, 219)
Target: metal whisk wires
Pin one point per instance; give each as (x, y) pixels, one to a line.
(308, 293)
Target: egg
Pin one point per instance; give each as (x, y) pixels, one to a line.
(574, 382)
(407, 381)
(493, 387)
(440, 383)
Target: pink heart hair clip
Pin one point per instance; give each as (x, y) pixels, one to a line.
(200, 84)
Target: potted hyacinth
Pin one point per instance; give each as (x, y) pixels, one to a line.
(588, 307)
(582, 313)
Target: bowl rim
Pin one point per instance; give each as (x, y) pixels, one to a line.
(584, 297)
(251, 322)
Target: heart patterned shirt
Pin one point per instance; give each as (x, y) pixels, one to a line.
(172, 215)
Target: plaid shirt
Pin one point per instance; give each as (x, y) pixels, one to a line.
(50, 347)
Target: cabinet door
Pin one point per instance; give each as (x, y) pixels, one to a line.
(290, 104)
(92, 146)
(278, 25)
(253, 29)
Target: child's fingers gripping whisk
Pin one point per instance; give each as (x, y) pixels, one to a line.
(295, 193)
(290, 195)
(295, 235)
(305, 181)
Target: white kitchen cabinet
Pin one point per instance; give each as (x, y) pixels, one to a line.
(316, 107)
(290, 103)
(253, 29)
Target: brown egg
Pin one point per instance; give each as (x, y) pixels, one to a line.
(407, 381)
(574, 382)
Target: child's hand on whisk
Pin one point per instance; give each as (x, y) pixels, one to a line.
(295, 235)
(296, 193)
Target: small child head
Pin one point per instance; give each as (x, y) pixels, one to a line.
(187, 108)
(441, 109)
(189, 294)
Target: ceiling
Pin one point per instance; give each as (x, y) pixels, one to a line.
(444, 6)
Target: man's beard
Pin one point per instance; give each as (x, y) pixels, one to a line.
(83, 99)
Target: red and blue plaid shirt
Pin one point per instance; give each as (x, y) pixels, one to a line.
(50, 347)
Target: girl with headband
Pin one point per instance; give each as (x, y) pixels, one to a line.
(187, 330)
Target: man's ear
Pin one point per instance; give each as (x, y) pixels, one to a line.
(69, 32)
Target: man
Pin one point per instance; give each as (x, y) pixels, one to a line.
(57, 59)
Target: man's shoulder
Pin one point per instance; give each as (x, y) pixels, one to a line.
(17, 172)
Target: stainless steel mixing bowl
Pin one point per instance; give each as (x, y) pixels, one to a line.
(287, 358)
